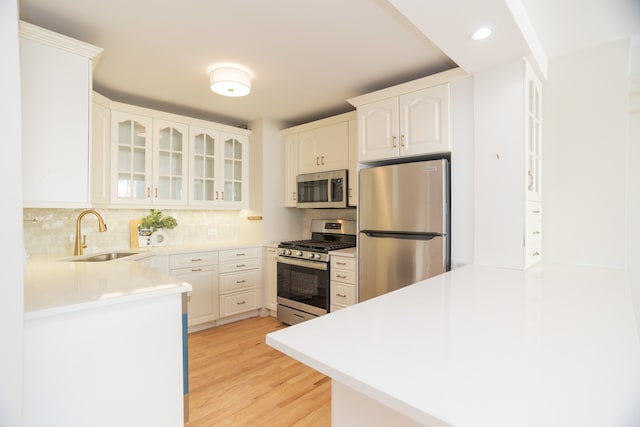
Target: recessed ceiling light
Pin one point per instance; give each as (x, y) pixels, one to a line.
(482, 33)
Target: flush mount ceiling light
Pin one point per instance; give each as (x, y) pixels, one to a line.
(482, 33)
(230, 81)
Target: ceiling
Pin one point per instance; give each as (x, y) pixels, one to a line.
(307, 57)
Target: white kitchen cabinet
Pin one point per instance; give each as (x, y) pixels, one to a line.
(56, 79)
(291, 170)
(343, 281)
(201, 270)
(409, 125)
(100, 162)
(324, 149)
(150, 160)
(508, 198)
(218, 168)
(270, 277)
(352, 194)
(533, 133)
(321, 145)
(240, 271)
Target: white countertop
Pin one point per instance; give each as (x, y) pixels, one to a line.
(475, 347)
(53, 287)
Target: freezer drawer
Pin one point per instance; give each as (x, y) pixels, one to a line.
(390, 262)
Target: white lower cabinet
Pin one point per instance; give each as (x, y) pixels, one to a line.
(343, 282)
(270, 278)
(200, 269)
(240, 271)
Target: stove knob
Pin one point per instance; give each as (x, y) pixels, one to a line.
(287, 252)
(317, 256)
(299, 253)
(311, 255)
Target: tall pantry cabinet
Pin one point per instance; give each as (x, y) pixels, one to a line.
(508, 156)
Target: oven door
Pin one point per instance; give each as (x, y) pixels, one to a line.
(303, 285)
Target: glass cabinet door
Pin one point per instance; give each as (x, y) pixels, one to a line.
(170, 159)
(234, 166)
(533, 135)
(203, 166)
(132, 152)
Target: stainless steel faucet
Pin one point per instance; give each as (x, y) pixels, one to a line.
(80, 242)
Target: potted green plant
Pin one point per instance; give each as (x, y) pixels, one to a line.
(156, 220)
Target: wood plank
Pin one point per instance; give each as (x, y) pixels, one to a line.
(235, 379)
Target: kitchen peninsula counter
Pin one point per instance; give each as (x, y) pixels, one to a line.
(103, 335)
(477, 347)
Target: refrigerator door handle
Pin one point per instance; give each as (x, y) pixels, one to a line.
(408, 236)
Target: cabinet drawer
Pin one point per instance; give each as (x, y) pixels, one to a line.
(343, 263)
(241, 253)
(344, 276)
(240, 264)
(533, 252)
(231, 282)
(238, 302)
(193, 259)
(534, 213)
(342, 294)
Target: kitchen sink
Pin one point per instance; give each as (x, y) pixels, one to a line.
(107, 256)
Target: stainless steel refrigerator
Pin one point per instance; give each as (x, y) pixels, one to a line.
(404, 225)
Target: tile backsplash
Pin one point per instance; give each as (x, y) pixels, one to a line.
(50, 232)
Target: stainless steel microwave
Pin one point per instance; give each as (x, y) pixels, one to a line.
(322, 189)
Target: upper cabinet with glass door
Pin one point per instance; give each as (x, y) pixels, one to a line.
(533, 133)
(219, 169)
(148, 170)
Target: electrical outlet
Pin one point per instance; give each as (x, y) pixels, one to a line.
(212, 231)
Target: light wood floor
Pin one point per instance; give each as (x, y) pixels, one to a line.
(235, 379)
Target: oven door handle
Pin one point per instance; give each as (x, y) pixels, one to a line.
(303, 263)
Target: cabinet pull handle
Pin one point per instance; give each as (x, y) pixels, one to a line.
(341, 263)
(241, 302)
(317, 161)
(536, 212)
(322, 161)
(394, 142)
(240, 281)
(196, 259)
(216, 195)
(295, 196)
(341, 276)
(222, 194)
(536, 254)
(240, 265)
(240, 254)
(536, 232)
(341, 295)
(148, 192)
(196, 269)
(156, 192)
(402, 140)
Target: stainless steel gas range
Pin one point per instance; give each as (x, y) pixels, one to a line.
(303, 270)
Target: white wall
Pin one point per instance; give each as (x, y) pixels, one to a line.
(462, 173)
(584, 174)
(633, 178)
(11, 303)
(278, 223)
